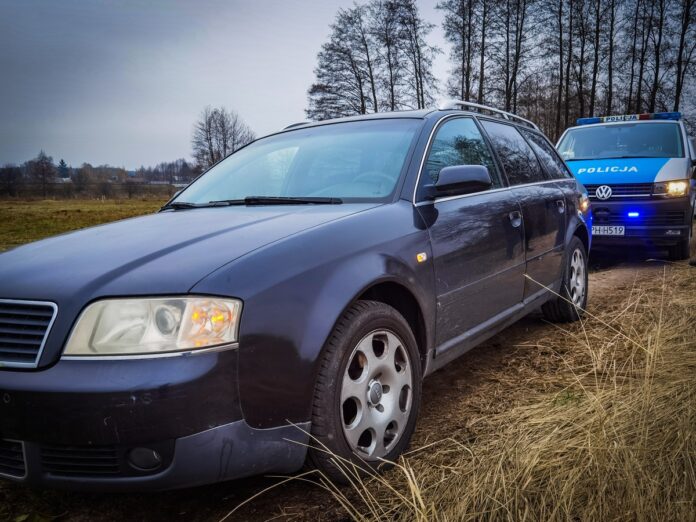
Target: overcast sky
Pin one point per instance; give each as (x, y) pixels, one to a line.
(122, 82)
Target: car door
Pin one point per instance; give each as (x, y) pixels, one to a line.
(543, 206)
(476, 238)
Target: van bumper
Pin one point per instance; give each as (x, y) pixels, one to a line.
(662, 222)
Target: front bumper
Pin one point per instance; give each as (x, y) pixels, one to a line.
(76, 425)
(661, 222)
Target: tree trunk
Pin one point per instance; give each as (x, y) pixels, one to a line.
(568, 64)
(658, 52)
(559, 93)
(595, 62)
(629, 100)
(482, 71)
(610, 67)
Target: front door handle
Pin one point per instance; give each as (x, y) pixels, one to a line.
(561, 205)
(515, 218)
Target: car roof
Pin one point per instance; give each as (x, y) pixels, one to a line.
(405, 114)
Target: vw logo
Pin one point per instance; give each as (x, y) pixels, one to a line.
(603, 192)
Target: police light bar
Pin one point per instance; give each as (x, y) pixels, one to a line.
(631, 117)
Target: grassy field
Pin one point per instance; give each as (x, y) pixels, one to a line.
(25, 221)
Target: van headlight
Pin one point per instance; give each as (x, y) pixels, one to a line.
(671, 188)
(154, 325)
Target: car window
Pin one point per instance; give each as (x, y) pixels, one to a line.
(458, 142)
(555, 168)
(518, 159)
(354, 161)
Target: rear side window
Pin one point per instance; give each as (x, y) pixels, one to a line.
(518, 159)
(459, 142)
(546, 154)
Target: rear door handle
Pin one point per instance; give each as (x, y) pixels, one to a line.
(515, 218)
(561, 205)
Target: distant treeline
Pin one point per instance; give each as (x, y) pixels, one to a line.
(551, 61)
(41, 177)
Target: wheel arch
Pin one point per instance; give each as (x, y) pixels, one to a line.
(582, 234)
(404, 301)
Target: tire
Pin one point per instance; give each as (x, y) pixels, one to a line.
(574, 288)
(681, 250)
(368, 389)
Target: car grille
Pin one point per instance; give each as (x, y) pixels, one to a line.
(624, 190)
(80, 461)
(24, 326)
(12, 459)
(668, 218)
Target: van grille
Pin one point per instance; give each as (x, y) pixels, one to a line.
(604, 216)
(84, 461)
(12, 459)
(623, 190)
(24, 326)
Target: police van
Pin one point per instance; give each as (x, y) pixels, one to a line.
(639, 173)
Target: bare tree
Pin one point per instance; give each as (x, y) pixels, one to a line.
(218, 133)
(685, 47)
(386, 31)
(10, 180)
(42, 171)
(346, 82)
(461, 25)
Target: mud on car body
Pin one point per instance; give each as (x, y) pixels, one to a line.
(304, 285)
(639, 172)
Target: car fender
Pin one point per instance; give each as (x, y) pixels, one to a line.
(293, 298)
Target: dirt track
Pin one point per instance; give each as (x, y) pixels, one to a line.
(475, 385)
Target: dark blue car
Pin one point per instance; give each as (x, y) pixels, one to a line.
(295, 294)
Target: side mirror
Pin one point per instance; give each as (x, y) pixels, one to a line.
(462, 179)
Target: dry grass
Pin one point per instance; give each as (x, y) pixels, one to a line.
(24, 221)
(615, 439)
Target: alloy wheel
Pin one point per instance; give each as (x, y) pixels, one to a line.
(576, 281)
(376, 394)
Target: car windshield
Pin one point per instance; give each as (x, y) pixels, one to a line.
(626, 140)
(351, 161)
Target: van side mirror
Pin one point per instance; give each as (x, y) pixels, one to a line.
(461, 179)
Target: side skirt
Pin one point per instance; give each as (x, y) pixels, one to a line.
(458, 346)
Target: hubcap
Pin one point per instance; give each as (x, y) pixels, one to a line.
(576, 282)
(376, 394)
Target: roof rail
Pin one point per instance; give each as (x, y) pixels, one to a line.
(298, 124)
(455, 104)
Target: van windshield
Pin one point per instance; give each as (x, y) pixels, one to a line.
(626, 140)
(358, 161)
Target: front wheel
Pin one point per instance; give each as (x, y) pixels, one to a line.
(572, 300)
(367, 392)
(681, 250)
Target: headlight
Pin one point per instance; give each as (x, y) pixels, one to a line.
(147, 326)
(671, 188)
(584, 203)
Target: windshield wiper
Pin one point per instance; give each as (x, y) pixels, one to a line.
(253, 200)
(290, 200)
(178, 205)
(183, 205)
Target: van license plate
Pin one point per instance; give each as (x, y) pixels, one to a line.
(606, 230)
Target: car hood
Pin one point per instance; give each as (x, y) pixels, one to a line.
(158, 254)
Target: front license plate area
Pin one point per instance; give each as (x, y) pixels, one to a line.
(608, 230)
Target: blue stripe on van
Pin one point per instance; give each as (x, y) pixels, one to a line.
(628, 170)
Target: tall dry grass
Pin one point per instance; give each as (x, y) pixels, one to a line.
(614, 440)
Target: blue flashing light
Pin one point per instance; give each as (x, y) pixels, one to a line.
(634, 214)
(631, 117)
(588, 121)
(667, 116)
